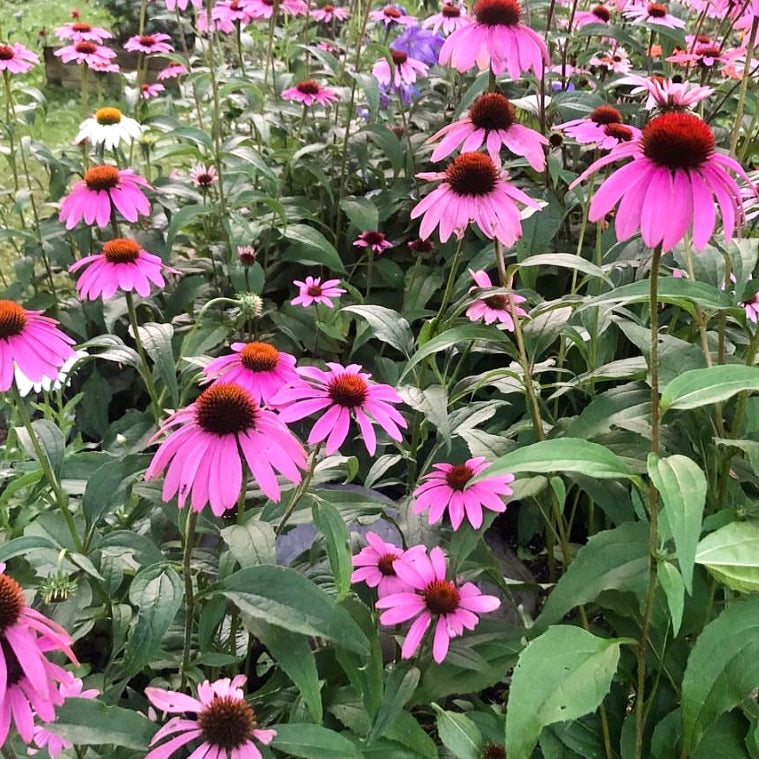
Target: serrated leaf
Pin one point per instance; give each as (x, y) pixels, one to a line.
(51, 441)
(157, 341)
(106, 483)
(731, 554)
(361, 212)
(251, 543)
(387, 325)
(702, 387)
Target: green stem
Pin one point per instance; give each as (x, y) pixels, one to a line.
(744, 86)
(448, 285)
(146, 368)
(189, 598)
(299, 491)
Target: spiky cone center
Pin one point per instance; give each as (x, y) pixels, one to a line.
(7, 53)
(385, 564)
(107, 116)
(678, 141)
(204, 178)
(259, 357)
(441, 597)
(348, 390)
(314, 290)
(494, 751)
(225, 409)
(81, 28)
(492, 110)
(12, 602)
(147, 40)
(373, 238)
(498, 12)
(602, 12)
(391, 12)
(328, 8)
(498, 302)
(12, 320)
(85, 47)
(458, 476)
(121, 251)
(472, 174)
(450, 11)
(709, 51)
(101, 178)
(606, 114)
(398, 57)
(227, 722)
(656, 10)
(308, 87)
(620, 131)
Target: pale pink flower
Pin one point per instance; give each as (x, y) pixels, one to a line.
(494, 308)
(328, 12)
(453, 608)
(393, 15)
(703, 54)
(225, 723)
(265, 8)
(202, 455)
(258, 367)
(656, 14)
(103, 189)
(450, 18)
(84, 52)
(313, 290)
(664, 93)
(340, 394)
(404, 71)
(602, 128)
(375, 565)
(172, 71)
(225, 15)
(149, 44)
(17, 59)
(617, 61)
(78, 31)
(150, 91)
(203, 176)
(450, 487)
(309, 92)
(374, 241)
(172, 5)
(600, 14)
(751, 307)
(491, 121)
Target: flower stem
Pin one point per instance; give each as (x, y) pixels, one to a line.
(189, 535)
(653, 502)
(448, 285)
(299, 491)
(744, 86)
(147, 371)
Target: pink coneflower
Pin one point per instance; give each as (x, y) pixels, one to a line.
(494, 308)
(671, 184)
(103, 188)
(247, 254)
(374, 241)
(705, 55)
(203, 453)
(450, 487)
(258, 367)
(750, 196)
(751, 308)
(265, 8)
(172, 71)
(491, 121)
(450, 18)
(313, 290)
(172, 5)
(203, 176)
(421, 247)
(149, 44)
(89, 53)
(617, 61)
(123, 265)
(78, 31)
(600, 14)
(309, 92)
(656, 14)
(32, 342)
(17, 59)
(602, 128)
(453, 608)
(225, 16)
(375, 565)
(393, 15)
(404, 70)
(225, 722)
(150, 91)
(341, 393)
(496, 40)
(666, 94)
(472, 189)
(328, 12)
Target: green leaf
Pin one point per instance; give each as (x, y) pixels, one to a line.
(313, 742)
(731, 554)
(459, 734)
(51, 441)
(611, 560)
(561, 675)
(157, 591)
(284, 598)
(26, 544)
(88, 722)
(157, 341)
(182, 218)
(251, 543)
(722, 669)
(104, 491)
(400, 684)
(361, 212)
(565, 261)
(331, 524)
(701, 387)
(682, 486)
(312, 247)
(387, 325)
(673, 586)
(562, 455)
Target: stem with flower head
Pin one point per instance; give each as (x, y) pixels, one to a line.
(744, 86)
(300, 490)
(189, 598)
(653, 502)
(270, 50)
(147, 372)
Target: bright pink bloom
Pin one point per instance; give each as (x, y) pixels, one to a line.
(664, 93)
(313, 290)
(103, 189)
(450, 18)
(374, 241)
(450, 487)
(472, 189)
(78, 31)
(491, 121)
(33, 343)
(392, 15)
(598, 15)
(496, 40)
(751, 307)
(309, 92)
(453, 608)
(703, 54)
(340, 394)
(265, 8)
(172, 71)
(258, 367)
(149, 44)
(616, 60)
(203, 176)
(670, 185)
(84, 52)
(225, 15)
(17, 59)
(404, 70)
(653, 13)
(602, 128)
(149, 91)
(494, 308)
(328, 12)
(375, 565)
(203, 453)
(225, 722)
(123, 265)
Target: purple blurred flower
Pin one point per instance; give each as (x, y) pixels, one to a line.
(421, 44)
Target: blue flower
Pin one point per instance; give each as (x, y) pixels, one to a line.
(421, 44)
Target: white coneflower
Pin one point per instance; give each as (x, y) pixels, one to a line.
(109, 127)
